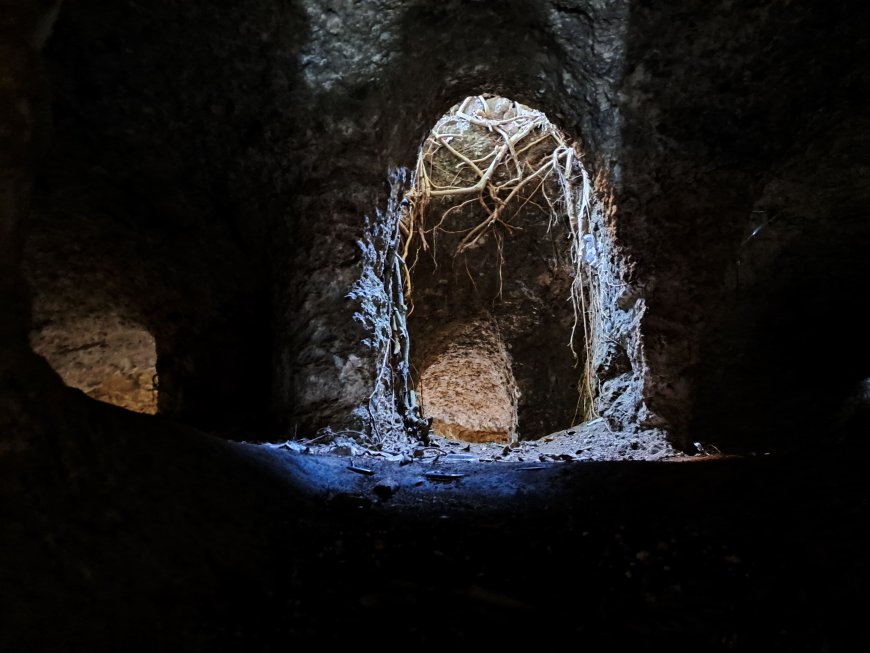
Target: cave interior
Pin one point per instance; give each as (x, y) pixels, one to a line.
(396, 323)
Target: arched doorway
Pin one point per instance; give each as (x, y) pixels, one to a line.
(497, 244)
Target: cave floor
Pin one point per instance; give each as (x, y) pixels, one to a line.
(589, 441)
(148, 536)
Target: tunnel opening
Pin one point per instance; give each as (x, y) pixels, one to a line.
(500, 315)
(497, 243)
(107, 357)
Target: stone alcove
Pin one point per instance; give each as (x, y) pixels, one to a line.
(104, 356)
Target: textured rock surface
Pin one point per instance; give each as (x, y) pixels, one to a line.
(104, 357)
(467, 386)
(205, 172)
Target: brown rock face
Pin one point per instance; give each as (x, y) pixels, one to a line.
(468, 387)
(105, 357)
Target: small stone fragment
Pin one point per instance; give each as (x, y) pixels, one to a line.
(385, 488)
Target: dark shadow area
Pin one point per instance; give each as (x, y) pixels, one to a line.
(791, 353)
(746, 150)
(180, 541)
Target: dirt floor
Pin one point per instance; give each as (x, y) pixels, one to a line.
(133, 533)
(590, 441)
(692, 553)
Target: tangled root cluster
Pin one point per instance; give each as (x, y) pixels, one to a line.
(498, 153)
(503, 156)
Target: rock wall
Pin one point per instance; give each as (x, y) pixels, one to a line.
(209, 168)
(467, 384)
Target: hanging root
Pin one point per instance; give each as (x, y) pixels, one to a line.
(524, 161)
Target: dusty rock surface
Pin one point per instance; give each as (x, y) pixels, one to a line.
(468, 388)
(104, 356)
(590, 441)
